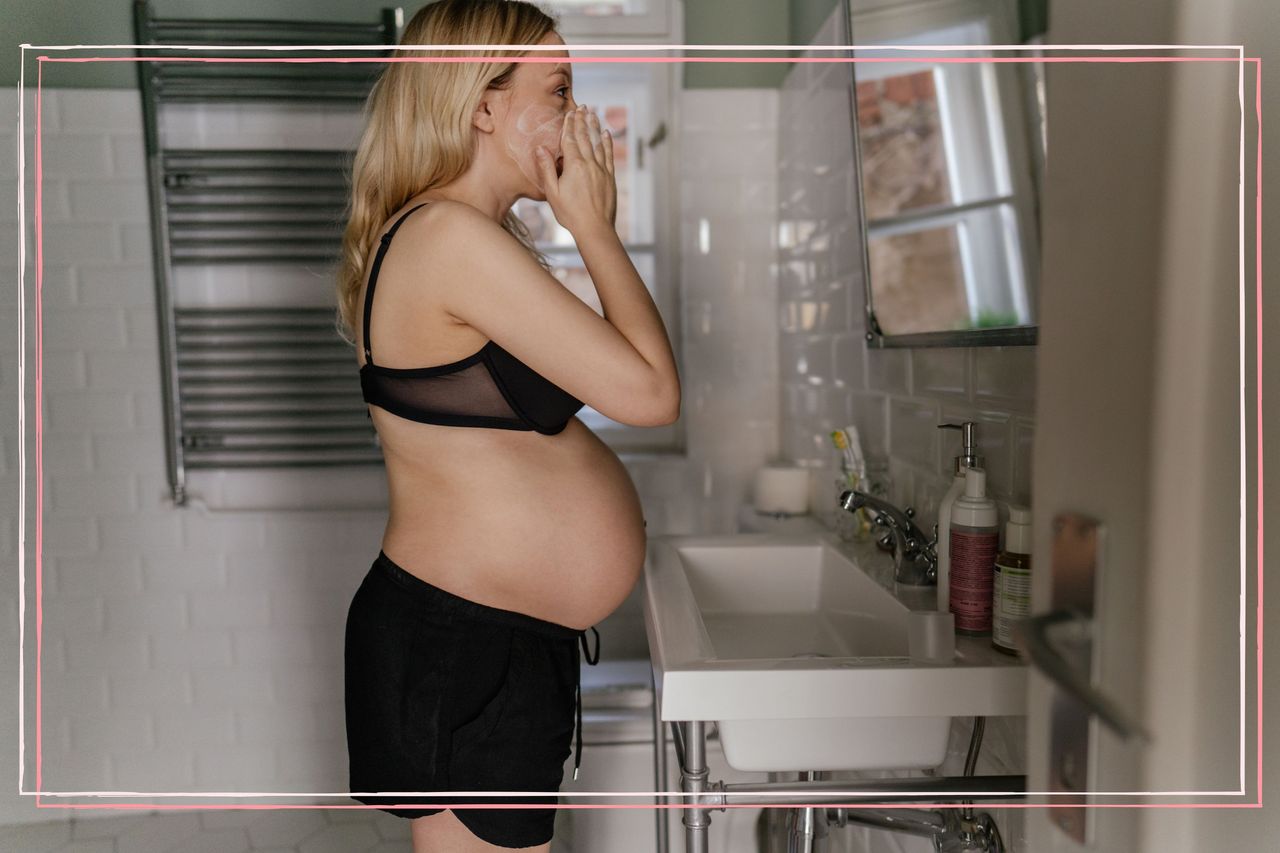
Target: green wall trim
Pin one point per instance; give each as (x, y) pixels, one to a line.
(736, 22)
(1033, 18)
(807, 17)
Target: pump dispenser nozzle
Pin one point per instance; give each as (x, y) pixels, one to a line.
(969, 458)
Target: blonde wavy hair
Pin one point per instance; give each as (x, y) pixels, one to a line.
(418, 132)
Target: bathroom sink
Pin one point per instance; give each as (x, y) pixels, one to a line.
(796, 647)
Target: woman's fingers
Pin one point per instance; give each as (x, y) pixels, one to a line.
(546, 165)
(608, 150)
(583, 136)
(601, 143)
(583, 145)
(593, 135)
(569, 137)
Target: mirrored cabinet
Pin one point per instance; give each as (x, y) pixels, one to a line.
(947, 155)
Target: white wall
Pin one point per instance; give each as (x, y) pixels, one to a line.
(187, 650)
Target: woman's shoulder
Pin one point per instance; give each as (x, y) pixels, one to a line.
(441, 242)
(446, 221)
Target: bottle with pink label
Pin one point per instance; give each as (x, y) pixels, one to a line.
(973, 543)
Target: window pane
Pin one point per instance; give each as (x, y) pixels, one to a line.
(942, 119)
(917, 281)
(958, 271)
(904, 162)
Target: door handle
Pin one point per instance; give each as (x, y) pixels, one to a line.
(1051, 663)
(657, 137)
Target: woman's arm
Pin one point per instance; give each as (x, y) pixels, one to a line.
(621, 365)
(629, 307)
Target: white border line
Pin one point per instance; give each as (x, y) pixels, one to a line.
(1243, 454)
(22, 415)
(806, 48)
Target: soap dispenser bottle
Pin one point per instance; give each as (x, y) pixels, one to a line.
(966, 460)
(975, 534)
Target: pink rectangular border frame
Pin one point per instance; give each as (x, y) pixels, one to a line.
(41, 59)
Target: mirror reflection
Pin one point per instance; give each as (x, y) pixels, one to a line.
(950, 156)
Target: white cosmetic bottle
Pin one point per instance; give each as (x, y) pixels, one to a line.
(966, 460)
(975, 540)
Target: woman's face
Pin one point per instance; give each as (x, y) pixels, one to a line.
(537, 101)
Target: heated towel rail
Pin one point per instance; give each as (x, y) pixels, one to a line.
(248, 386)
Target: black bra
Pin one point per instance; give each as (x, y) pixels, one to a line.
(490, 388)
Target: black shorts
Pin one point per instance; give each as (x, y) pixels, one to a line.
(446, 694)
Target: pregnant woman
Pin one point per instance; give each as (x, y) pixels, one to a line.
(512, 527)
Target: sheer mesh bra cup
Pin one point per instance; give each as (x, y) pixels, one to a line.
(489, 388)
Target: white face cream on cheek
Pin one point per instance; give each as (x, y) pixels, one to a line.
(536, 125)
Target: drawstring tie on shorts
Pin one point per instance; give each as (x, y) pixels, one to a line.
(582, 639)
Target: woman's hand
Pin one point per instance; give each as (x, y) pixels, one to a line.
(585, 193)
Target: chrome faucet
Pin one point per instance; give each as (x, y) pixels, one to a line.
(915, 558)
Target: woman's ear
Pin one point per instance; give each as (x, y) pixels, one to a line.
(491, 104)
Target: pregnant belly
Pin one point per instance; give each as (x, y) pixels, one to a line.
(550, 526)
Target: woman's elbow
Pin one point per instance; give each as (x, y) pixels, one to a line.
(656, 403)
(669, 410)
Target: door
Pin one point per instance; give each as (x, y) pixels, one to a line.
(1139, 429)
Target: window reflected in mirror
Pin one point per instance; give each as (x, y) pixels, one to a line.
(948, 192)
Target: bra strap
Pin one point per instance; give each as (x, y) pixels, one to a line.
(373, 278)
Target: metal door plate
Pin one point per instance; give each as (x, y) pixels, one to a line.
(1077, 550)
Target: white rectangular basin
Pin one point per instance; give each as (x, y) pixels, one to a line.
(801, 657)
